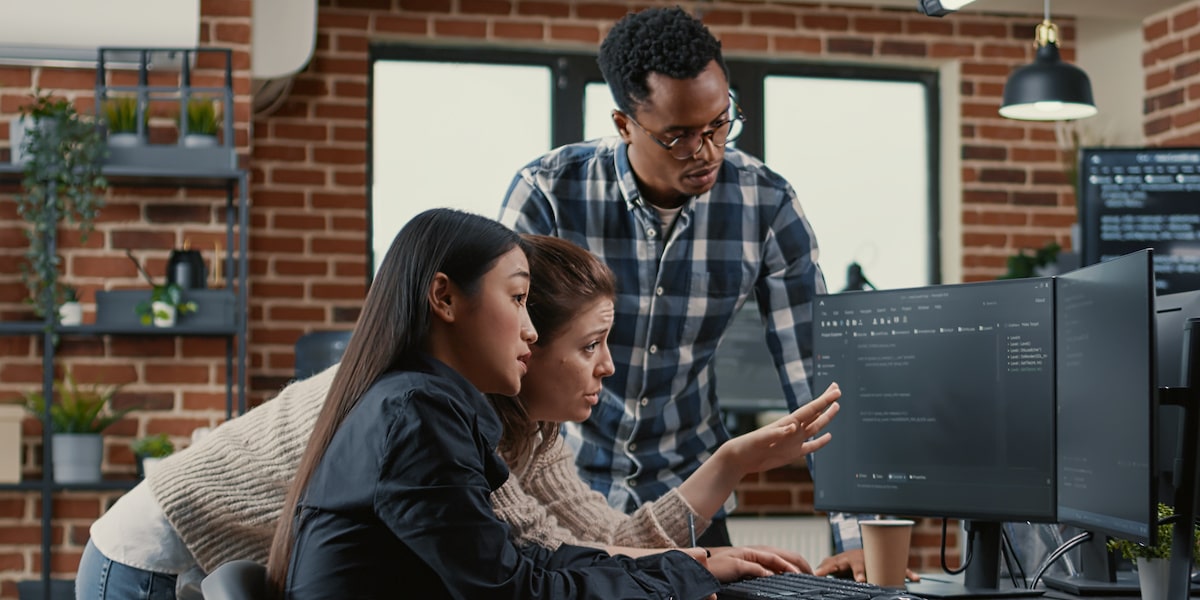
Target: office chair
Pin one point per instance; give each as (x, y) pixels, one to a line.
(236, 580)
(319, 350)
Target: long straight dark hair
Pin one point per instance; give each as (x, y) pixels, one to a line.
(566, 278)
(392, 328)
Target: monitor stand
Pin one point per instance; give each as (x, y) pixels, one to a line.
(982, 577)
(1098, 576)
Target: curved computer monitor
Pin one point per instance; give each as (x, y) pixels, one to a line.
(947, 409)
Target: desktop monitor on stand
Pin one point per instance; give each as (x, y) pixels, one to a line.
(947, 411)
(1106, 424)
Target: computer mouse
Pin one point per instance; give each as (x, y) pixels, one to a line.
(897, 595)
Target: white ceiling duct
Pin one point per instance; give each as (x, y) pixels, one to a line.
(68, 32)
(283, 37)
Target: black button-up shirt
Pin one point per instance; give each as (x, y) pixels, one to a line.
(399, 508)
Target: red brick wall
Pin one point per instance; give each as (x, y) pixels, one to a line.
(307, 159)
(1172, 63)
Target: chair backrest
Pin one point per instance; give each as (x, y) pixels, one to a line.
(236, 580)
(319, 350)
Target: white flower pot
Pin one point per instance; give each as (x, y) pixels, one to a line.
(1153, 575)
(123, 140)
(163, 307)
(199, 140)
(70, 313)
(149, 464)
(77, 457)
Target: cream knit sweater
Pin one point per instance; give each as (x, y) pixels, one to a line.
(224, 495)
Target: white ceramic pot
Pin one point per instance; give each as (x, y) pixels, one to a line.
(198, 140)
(1153, 575)
(123, 140)
(77, 457)
(163, 308)
(70, 313)
(16, 138)
(149, 464)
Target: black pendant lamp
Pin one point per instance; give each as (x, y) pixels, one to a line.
(1048, 89)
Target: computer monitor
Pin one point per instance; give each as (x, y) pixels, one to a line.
(1172, 312)
(947, 410)
(1106, 425)
(1134, 198)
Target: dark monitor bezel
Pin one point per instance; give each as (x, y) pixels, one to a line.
(1049, 516)
(1151, 409)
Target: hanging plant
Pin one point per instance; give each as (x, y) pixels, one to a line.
(64, 153)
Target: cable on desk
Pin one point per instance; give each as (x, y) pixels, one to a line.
(966, 560)
(1057, 554)
(1010, 558)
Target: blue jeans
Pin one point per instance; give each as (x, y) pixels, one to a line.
(101, 578)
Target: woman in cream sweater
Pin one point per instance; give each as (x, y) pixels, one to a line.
(220, 499)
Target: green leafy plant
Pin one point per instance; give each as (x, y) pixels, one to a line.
(62, 179)
(121, 114)
(77, 410)
(203, 117)
(1162, 549)
(1022, 265)
(69, 294)
(153, 446)
(167, 293)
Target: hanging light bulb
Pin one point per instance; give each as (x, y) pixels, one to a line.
(1048, 89)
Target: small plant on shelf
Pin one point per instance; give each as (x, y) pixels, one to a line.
(63, 154)
(153, 446)
(70, 312)
(77, 410)
(166, 301)
(202, 118)
(121, 115)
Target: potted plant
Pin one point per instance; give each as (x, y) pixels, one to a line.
(1040, 264)
(62, 152)
(166, 303)
(203, 120)
(71, 311)
(1151, 561)
(77, 419)
(149, 450)
(121, 118)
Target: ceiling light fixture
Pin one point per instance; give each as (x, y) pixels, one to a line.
(940, 8)
(1048, 89)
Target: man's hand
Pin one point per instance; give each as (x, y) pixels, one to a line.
(852, 564)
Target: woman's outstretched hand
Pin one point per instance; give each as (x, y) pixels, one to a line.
(787, 440)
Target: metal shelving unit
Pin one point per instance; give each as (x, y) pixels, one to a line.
(174, 171)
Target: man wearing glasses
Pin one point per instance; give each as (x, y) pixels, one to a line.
(691, 228)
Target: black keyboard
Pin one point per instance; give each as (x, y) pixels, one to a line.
(797, 586)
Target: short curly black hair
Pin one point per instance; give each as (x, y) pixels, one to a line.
(656, 40)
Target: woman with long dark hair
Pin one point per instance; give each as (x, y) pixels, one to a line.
(391, 497)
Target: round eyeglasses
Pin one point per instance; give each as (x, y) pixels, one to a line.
(687, 145)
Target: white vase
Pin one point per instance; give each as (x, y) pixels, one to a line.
(1153, 576)
(77, 457)
(16, 138)
(199, 140)
(123, 140)
(149, 464)
(70, 313)
(163, 308)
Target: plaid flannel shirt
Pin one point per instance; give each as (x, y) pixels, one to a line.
(677, 291)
